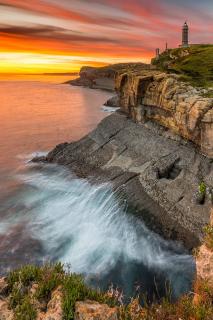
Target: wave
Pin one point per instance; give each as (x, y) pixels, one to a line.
(86, 226)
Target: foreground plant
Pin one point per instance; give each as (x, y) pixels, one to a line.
(209, 237)
(26, 302)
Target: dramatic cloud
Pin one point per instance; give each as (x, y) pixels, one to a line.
(50, 32)
(100, 31)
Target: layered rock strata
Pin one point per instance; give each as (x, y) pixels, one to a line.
(104, 77)
(163, 98)
(95, 78)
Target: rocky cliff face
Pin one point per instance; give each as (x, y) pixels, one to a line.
(158, 172)
(163, 98)
(204, 258)
(104, 77)
(146, 93)
(95, 78)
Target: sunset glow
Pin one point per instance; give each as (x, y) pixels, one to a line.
(39, 36)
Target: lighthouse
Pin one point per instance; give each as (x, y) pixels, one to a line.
(185, 36)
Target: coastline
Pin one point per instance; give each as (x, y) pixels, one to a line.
(157, 173)
(158, 176)
(151, 149)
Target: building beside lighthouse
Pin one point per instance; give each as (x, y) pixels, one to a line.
(185, 36)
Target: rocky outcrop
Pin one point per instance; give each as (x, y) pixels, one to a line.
(84, 310)
(163, 98)
(54, 307)
(5, 312)
(95, 78)
(104, 77)
(91, 310)
(204, 264)
(157, 172)
(145, 93)
(112, 102)
(204, 258)
(52, 311)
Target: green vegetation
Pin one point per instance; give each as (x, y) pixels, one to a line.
(25, 302)
(201, 194)
(198, 307)
(47, 278)
(50, 278)
(25, 310)
(194, 64)
(202, 188)
(209, 237)
(74, 289)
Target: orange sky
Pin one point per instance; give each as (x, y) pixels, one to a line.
(39, 36)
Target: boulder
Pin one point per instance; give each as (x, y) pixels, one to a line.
(5, 312)
(91, 310)
(204, 264)
(54, 307)
(112, 102)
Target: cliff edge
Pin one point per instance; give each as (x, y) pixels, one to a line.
(159, 174)
(176, 91)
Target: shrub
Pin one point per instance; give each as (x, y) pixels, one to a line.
(26, 275)
(74, 289)
(16, 296)
(51, 277)
(202, 188)
(209, 236)
(25, 311)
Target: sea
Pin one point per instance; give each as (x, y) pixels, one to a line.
(48, 214)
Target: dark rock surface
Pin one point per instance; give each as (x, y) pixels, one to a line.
(95, 78)
(157, 174)
(104, 77)
(112, 102)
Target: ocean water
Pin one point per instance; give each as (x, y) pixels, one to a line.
(49, 214)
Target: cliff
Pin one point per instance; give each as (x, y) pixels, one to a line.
(156, 154)
(158, 173)
(175, 91)
(194, 64)
(150, 154)
(49, 293)
(156, 159)
(163, 98)
(104, 77)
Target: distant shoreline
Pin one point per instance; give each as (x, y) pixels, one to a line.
(41, 74)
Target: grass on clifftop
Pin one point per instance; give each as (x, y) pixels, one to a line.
(188, 307)
(195, 64)
(26, 303)
(47, 279)
(112, 69)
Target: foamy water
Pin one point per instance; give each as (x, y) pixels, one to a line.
(84, 225)
(47, 213)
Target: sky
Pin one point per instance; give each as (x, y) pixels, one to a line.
(39, 36)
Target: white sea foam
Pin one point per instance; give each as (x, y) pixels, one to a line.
(30, 156)
(109, 109)
(84, 225)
